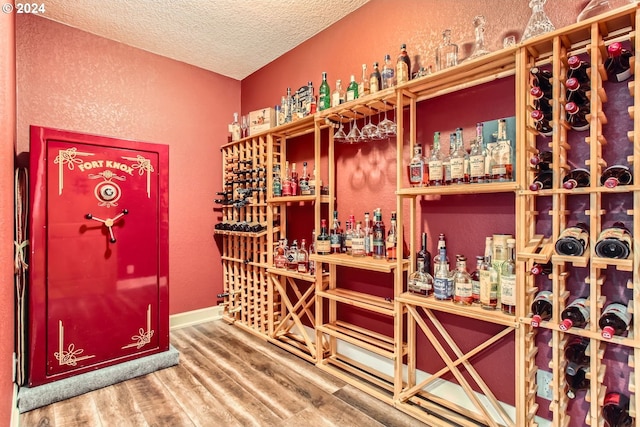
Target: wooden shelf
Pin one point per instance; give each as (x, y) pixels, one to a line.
(293, 274)
(445, 190)
(470, 311)
(297, 199)
(241, 233)
(379, 344)
(620, 264)
(359, 299)
(364, 263)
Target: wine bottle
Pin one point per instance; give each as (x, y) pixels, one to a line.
(541, 308)
(617, 64)
(541, 269)
(615, 319)
(578, 69)
(576, 178)
(575, 314)
(540, 101)
(576, 353)
(576, 93)
(542, 181)
(614, 242)
(615, 410)
(542, 78)
(616, 175)
(542, 160)
(542, 122)
(577, 116)
(423, 257)
(573, 241)
(577, 382)
(324, 94)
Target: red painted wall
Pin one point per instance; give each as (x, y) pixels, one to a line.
(73, 80)
(7, 140)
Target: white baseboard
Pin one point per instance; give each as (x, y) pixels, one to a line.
(15, 414)
(190, 318)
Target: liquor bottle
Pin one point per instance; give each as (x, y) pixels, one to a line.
(446, 159)
(577, 117)
(352, 89)
(403, 65)
(294, 180)
(543, 79)
(436, 170)
(286, 181)
(573, 241)
(541, 269)
(576, 382)
(303, 182)
(458, 157)
(336, 235)
(311, 100)
(502, 168)
(312, 182)
(280, 258)
(323, 241)
(292, 256)
(447, 52)
(349, 228)
(542, 122)
(616, 175)
(312, 250)
(477, 157)
(576, 178)
(542, 181)
(303, 257)
(392, 239)
(475, 280)
(235, 128)
(541, 308)
(423, 257)
(488, 279)
(338, 95)
(368, 235)
(617, 64)
(378, 246)
(324, 94)
(462, 285)
(542, 160)
(388, 73)
(578, 69)
(357, 241)
(576, 93)
(418, 168)
(277, 182)
(375, 79)
(540, 101)
(442, 283)
(576, 353)
(420, 282)
(363, 86)
(289, 105)
(508, 280)
(575, 314)
(614, 320)
(615, 410)
(614, 242)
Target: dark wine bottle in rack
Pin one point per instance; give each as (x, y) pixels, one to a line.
(541, 160)
(616, 175)
(576, 353)
(579, 69)
(542, 181)
(542, 122)
(577, 116)
(573, 240)
(614, 242)
(576, 178)
(541, 308)
(614, 320)
(575, 314)
(617, 64)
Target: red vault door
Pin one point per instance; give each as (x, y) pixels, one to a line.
(98, 289)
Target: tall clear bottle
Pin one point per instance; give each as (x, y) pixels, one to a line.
(363, 85)
(477, 157)
(508, 280)
(488, 279)
(502, 167)
(388, 73)
(368, 234)
(392, 240)
(375, 79)
(436, 170)
(447, 52)
(442, 280)
(458, 159)
(462, 285)
(338, 96)
(378, 236)
(418, 168)
(358, 241)
(324, 94)
(446, 159)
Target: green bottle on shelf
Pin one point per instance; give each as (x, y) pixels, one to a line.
(324, 94)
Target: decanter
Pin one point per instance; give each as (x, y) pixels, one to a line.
(593, 8)
(447, 52)
(479, 23)
(539, 22)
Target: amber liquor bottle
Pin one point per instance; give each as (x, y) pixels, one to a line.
(403, 65)
(392, 239)
(423, 257)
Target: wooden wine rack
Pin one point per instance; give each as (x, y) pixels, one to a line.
(300, 312)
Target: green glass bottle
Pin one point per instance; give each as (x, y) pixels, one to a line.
(324, 94)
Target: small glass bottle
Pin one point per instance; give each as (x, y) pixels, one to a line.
(576, 178)
(312, 182)
(446, 159)
(573, 240)
(368, 234)
(349, 229)
(338, 95)
(324, 94)
(235, 128)
(436, 170)
(488, 279)
(336, 235)
(323, 241)
(541, 308)
(614, 242)
(457, 160)
(616, 175)
(508, 280)
(375, 79)
(479, 23)
(303, 181)
(575, 314)
(617, 64)
(447, 52)
(292, 256)
(403, 65)
(379, 236)
(477, 157)
(614, 320)
(352, 89)
(475, 280)
(363, 86)
(303, 257)
(542, 181)
(442, 280)
(462, 285)
(388, 73)
(420, 282)
(576, 353)
(358, 241)
(502, 167)
(418, 168)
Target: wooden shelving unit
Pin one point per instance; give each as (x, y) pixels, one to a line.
(298, 311)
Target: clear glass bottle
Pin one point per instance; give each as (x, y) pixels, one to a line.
(392, 239)
(403, 65)
(508, 280)
(539, 22)
(363, 86)
(368, 235)
(447, 52)
(312, 182)
(418, 168)
(475, 280)
(352, 89)
(479, 23)
(436, 170)
(292, 256)
(303, 257)
(293, 178)
(502, 166)
(235, 128)
(312, 250)
(336, 235)
(289, 107)
(358, 241)
(378, 236)
(388, 73)
(488, 279)
(323, 241)
(593, 8)
(462, 284)
(324, 94)
(446, 159)
(477, 157)
(375, 79)
(458, 160)
(421, 283)
(286, 181)
(349, 228)
(303, 182)
(442, 283)
(338, 96)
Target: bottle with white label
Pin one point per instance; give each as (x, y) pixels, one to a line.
(575, 314)
(508, 280)
(615, 320)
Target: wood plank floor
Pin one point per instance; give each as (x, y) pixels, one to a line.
(226, 377)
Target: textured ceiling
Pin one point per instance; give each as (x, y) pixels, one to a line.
(230, 37)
